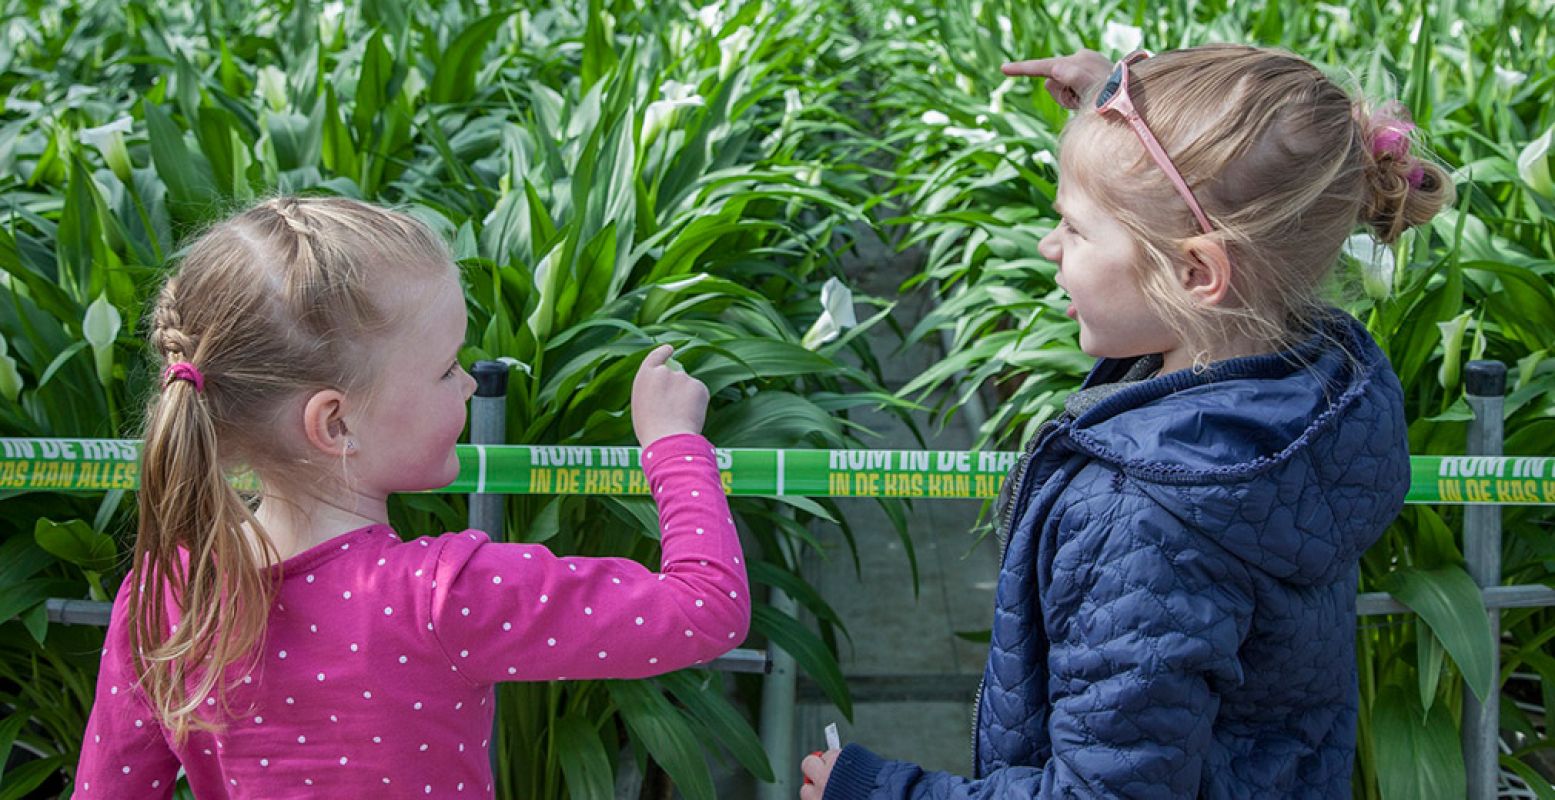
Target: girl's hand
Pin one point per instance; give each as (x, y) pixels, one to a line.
(817, 768)
(1068, 77)
(665, 402)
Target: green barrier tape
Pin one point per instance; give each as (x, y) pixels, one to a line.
(98, 464)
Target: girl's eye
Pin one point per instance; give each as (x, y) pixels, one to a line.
(451, 368)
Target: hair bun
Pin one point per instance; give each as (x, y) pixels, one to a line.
(1402, 189)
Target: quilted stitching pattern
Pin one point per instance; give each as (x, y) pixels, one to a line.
(1175, 618)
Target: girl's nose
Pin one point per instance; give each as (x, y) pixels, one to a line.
(1049, 247)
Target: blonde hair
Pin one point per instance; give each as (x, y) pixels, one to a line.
(275, 302)
(1282, 161)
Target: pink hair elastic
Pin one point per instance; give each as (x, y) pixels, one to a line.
(1390, 136)
(183, 371)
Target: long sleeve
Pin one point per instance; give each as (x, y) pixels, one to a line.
(1160, 615)
(515, 612)
(125, 753)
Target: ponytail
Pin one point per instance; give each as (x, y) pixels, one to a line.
(218, 582)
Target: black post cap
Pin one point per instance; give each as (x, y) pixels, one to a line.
(491, 378)
(1485, 378)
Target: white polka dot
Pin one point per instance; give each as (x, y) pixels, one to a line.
(545, 598)
(423, 747)
(429, 789)
(688, 633)
(403, 659)
(210, 701)
(385, 779)
(388, 610)
(700, 531)
(464, 654)
(690, 458)
(511, 671)
(321, 676)
(496, 579)
(699, 604)
(264, 762)
(346, 594)
(418, 573)
(342, 761)
(601, 654)
(417, 706)
(302, 740)
(639, 620)
(382, 561)
(113, 690)
(615, 581)
(695, 493)
(248, 679)
(653, 661)
(465, 611)
(346, 546)
(353, 647)
(507, 626)
(291, 701)
(259, 720)
(731, 634)
(734, 594)
(156, 783)
(528, 555)
(313, 628)
(308, 781)
(461, 787)
(573, 567)
(333, 718)
(126, 769)
(368, 695)
(377, 740)
(310, 579)
(140, 723)
(588, 610)
(458, 705)
(650, 454)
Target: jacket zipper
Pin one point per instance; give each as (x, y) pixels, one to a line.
(1006, 527)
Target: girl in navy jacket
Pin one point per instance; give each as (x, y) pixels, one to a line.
(1175, 611)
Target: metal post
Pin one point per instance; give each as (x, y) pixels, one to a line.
(488, 425)
(1486, 386)
(777, 712)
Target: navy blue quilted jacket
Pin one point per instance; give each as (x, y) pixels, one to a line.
(1175, 614)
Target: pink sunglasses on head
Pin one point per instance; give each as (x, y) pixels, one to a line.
(1114, 98)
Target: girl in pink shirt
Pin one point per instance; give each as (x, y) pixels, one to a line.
(300, 647)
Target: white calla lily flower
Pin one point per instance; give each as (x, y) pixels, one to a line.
(1376, 261)
(10, 378)
(1122, 39)
(101, 327)
(836, 315)
(109, 140)
(1533, 164)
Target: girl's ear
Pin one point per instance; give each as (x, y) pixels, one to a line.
(1205, 270)
(324, 424)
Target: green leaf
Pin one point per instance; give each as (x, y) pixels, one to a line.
(659, 728)
(191, 192)
(76, 542)
(584, 763)
(700, 694)
(1538, 783)
(8, 731)
(454, 79)
(809, 653)
(1448, 600)
(29, 776)
(1417, 752)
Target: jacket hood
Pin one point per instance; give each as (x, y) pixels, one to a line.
(1295, 461)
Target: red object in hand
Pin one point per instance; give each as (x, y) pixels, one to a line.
(807, 780)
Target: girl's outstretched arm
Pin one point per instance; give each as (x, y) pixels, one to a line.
(514, 612)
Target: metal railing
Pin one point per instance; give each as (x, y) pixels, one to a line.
(1485, 383)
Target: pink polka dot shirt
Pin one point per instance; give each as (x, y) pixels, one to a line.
(378, 665)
